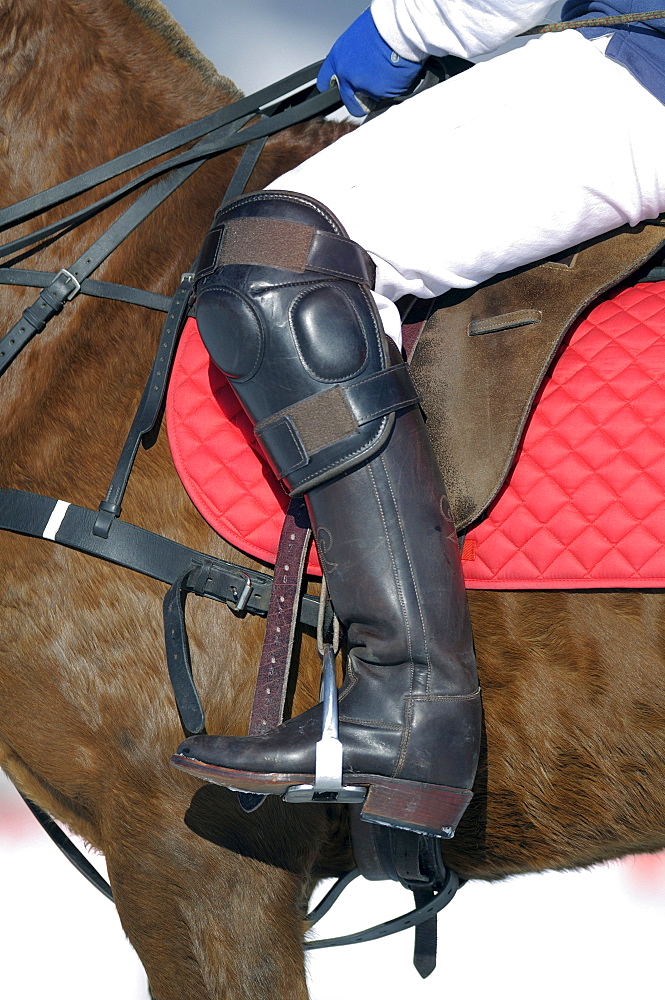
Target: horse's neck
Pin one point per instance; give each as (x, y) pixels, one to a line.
(87, 80)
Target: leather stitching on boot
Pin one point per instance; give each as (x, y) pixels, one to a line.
(415, 588)
(346, 458)
(350, 681)
(427, 698)
(398, 586)
(284, 196)
(408, 722)
(376, 723)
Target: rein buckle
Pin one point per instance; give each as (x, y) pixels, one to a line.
(71, 280)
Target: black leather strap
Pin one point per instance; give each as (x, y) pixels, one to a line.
(287, 245)
(50, 302)
(67, 282)
(178, 658)
(38, 203)
(150, 407)
(218, 142)
(390, 390)
(89, 286)
(340, 258)
(411, 919)
(69, 848)
(424, 948)
(140, 550)
(293, 435)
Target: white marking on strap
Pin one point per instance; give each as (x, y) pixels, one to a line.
(55, 520)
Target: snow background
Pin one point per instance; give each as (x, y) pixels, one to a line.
(587, 934)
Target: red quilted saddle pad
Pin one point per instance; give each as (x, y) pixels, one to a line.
(584, 505)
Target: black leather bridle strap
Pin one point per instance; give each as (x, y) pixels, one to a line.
(243, 171)
(67, 282)
(89, 286)
(43, 200)
(219, 142)
(58, 228)
(147, 416)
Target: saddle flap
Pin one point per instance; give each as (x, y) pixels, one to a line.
(483, 354)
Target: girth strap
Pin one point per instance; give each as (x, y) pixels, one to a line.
(140, 550)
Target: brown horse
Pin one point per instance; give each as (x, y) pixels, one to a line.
(212, 898)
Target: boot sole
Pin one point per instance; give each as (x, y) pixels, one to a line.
(434, 810)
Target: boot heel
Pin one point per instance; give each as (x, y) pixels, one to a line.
(411, 805)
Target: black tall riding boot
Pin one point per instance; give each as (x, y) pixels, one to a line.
(284, 308)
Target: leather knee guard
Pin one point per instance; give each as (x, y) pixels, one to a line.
(285, 311)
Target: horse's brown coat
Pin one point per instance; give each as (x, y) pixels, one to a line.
(211, 898)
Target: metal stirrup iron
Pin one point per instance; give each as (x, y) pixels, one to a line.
(328, 786)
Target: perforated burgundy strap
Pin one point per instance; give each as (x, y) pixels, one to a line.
(273, 675)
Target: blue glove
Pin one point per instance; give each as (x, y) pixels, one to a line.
(365, 66)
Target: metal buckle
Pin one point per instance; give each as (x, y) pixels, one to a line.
(327, 785)
(64, 273)
(246, 593)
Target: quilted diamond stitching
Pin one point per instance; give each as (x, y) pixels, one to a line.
(584, 505)
(585, 501)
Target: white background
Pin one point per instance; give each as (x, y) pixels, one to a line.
(586, 935)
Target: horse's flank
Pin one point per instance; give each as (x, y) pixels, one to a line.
(211, 898)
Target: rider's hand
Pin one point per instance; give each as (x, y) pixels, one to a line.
(365, 66)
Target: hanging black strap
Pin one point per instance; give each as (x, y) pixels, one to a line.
(413, 918)
(424, 946)
(150, 407)
(69, 848)
(178, 658)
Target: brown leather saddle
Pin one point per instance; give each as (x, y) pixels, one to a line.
(483, 353)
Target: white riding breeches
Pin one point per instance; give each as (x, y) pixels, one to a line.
(511, 161)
